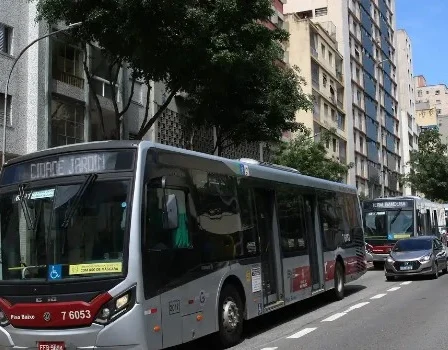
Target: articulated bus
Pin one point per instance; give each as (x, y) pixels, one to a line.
(387, 220)
(136, 245)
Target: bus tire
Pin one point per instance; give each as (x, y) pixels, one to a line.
(339, 283)
(230, 313)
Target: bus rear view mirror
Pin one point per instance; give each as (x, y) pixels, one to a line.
(171, 221)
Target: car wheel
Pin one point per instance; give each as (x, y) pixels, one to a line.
(436, 272)
(390, 278)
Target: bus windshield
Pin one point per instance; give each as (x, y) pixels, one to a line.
(389, 224)
(63, 232)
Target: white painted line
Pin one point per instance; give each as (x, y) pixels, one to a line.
(301, 333)
(270, 348)
(378, 296)
(393, 289)
(357, 306)
(406, 283)
(334, 317)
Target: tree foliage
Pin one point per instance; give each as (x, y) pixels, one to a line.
(218, 52)
(310, 157)
(429, 166)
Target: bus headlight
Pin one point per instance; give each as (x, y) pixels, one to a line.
(3, 319)
(116, 307)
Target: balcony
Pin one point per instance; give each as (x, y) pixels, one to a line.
(69, 79)
(314, 52)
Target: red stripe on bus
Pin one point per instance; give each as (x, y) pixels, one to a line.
(351, 266)
(301, 278)
(53, 315)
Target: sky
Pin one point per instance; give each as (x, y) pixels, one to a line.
(425, 23)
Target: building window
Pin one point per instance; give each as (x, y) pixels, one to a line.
(5, 39)
(321, 11)
(67, 123)
(438, 101)
(439, 111)
(322, 49)
(8, 108)
(437, 92)
(419, 93)
(67, 64)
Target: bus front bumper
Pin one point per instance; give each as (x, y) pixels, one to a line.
(126, 333)
(379, 257)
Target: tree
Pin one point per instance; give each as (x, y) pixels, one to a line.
(218, 52)
(429, 166)
(248, 105)
(310, 157)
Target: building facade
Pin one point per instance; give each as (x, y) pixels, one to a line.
(314, 49)
(51, 102)
(406, 101)
(365, 39)
(432, 102)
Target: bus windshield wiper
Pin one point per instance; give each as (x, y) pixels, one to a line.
(395, 217)
(24, 205)
(77, 198)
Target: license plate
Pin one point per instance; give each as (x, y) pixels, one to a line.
(47, 345)
(403, 268)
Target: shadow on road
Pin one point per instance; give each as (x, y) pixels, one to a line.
(264, 323)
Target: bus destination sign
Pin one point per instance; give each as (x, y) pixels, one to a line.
(68, 164)
(399, 204)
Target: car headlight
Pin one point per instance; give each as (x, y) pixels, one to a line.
(390, 260)
(425, 258)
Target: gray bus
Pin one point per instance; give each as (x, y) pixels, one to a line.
(136, 245)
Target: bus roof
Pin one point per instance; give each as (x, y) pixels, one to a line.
(257, 169)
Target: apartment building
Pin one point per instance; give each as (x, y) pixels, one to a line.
(313, 48)
(406, 101)
(365, 39)
(432, 102)
(50, 102)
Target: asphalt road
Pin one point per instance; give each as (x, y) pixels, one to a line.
(375, 314)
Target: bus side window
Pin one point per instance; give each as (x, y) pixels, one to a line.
(329, 221)
(158, 237)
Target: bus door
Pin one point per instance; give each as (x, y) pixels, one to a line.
(314, 245)
(270, 259)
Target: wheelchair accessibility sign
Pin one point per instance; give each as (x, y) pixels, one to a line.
(54, 272)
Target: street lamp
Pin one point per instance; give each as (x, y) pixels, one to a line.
(377, 64)
(70, 26)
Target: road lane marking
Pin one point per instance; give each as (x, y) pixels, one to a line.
(334, 317)
(301, 333)
(378, 296)
(270, 348)
(406, 283)
(393, 289)
(357, 306)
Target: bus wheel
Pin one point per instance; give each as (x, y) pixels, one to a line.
(339, 285)
(231, 311)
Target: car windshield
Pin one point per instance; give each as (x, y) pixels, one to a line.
(63, 232)
(390, 224)
(409, 245)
